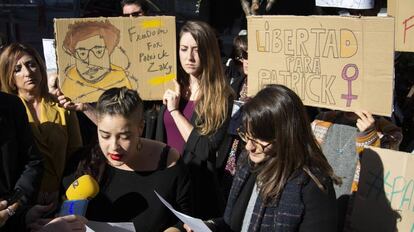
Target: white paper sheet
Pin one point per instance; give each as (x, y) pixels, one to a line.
(50, 54)
(196, 224)
(350, 4)
(93, 226)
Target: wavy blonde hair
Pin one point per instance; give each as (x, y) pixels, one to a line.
(215, 93)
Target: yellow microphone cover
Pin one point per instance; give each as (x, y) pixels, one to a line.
(83, 188)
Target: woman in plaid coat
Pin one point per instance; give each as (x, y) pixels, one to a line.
(285, 182)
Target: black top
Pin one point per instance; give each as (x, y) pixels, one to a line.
(129, 196)
(200, 152)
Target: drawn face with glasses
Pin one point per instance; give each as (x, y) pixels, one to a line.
(92, 59)
(257, 149)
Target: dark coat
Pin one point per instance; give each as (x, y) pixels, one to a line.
(302, 206)
(200, 153)
(235, 78)
(20, 162)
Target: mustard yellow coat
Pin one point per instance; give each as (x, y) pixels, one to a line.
(56, 135)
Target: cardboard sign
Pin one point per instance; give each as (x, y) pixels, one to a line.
(385, 197)
(95, 54)
(334, 62)
(403, 11)
(350, 4)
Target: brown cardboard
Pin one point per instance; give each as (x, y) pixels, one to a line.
(310, 53)
(385, 192)
(403, 11)
(391, 4)
(143, 55)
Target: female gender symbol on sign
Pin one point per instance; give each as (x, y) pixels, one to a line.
(349, 97)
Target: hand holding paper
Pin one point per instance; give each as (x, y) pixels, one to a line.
(196, 224)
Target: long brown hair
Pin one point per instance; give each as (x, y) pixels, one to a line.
(276, 114)
(213, 101)
(8, 60)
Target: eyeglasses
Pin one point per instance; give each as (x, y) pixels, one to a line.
(83, 53)
(245, 137)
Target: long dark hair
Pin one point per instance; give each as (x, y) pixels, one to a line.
(239, 49)
(276, 114)
(114, 101)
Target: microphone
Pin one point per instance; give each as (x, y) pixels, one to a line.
(85, 187)
(78, 194)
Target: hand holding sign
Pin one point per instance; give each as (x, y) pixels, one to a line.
(366, 121)
(171, 98)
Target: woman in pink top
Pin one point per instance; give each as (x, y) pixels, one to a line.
(196, 113)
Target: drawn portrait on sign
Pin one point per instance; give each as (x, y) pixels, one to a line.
(91, 44)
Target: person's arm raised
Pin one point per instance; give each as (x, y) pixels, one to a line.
(68, 104)
(171, 99)
(65, 102)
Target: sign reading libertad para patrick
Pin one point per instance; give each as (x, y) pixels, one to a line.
(343, 63)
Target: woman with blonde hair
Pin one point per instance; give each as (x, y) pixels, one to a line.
(195, 117)
(55, 130)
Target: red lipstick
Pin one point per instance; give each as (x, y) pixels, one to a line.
(116, 157)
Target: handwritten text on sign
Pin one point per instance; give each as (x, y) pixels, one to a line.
(403, 11)
(95, 54)
(388, 173)
(322, 63)
(153, 55)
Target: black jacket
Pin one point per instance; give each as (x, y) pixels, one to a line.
(235, 78)
(20, 162)
(200, 153)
